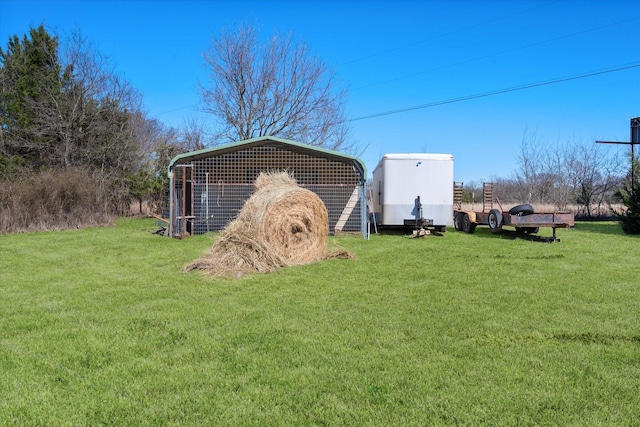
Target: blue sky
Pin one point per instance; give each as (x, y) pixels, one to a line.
(394, 55)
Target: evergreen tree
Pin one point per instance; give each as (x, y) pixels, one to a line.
(630, 195)
(64, 112)
(30, 72)
(63, 107)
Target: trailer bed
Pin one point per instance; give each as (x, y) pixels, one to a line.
(524, 224)
(553, 220)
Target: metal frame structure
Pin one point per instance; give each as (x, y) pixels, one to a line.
(633, 141)
(208, 187)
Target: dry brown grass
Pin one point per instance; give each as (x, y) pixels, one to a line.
(280, 225)
(54, 200)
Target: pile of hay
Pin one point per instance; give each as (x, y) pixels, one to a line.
(280, 225)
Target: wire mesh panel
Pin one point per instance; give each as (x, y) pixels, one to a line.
(336, 198)
(222, 182)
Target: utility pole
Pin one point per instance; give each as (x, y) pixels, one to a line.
(633, 141)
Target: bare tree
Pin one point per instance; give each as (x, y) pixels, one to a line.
(530, 175)
(193, 134)
(559, 190)
(98, 113)
(277, 88)
(564, 174)
(77, 112)
(594, 176)
(63, 108)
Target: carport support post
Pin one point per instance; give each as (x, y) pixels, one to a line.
(207, 198)
(364, 221)
(171, 204)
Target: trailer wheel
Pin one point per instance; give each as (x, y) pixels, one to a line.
(457, 221)
(495, 221)
(521, 210)
(467, 225)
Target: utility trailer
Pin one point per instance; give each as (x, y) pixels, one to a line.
(522, 217)
(413, 190)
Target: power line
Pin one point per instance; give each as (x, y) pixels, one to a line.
(500, 91)
(480, 24)
(177, 109)
(497, 53)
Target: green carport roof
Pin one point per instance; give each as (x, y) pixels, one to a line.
(267, 140)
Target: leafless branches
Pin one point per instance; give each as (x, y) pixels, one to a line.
(277, 88)
(564, 174)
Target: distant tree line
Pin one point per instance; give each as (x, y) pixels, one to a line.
(585, 178)
(76, 147)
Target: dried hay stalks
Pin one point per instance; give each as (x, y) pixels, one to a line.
(280, 225)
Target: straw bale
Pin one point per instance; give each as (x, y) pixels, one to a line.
(280, 225)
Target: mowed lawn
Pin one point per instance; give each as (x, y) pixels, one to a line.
(101, 327)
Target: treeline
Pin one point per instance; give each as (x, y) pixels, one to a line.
(76, 148)
(585, 178)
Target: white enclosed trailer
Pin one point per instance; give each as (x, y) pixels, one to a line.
(411, 187)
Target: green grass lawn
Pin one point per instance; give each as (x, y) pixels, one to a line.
(100, 327)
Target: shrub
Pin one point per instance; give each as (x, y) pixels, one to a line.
(56, 199)
(630, 219)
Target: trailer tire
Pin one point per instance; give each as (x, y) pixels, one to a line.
(521, 210)
(467, 225)
(457, 221)
(495, 221)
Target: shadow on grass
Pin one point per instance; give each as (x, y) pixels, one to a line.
(510, 234)
(600, 227)
(605, 227)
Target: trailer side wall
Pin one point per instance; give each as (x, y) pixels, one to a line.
(399, 179)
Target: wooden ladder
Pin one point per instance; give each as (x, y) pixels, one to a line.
(458, 189)
(346, 212)
(487, 196)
